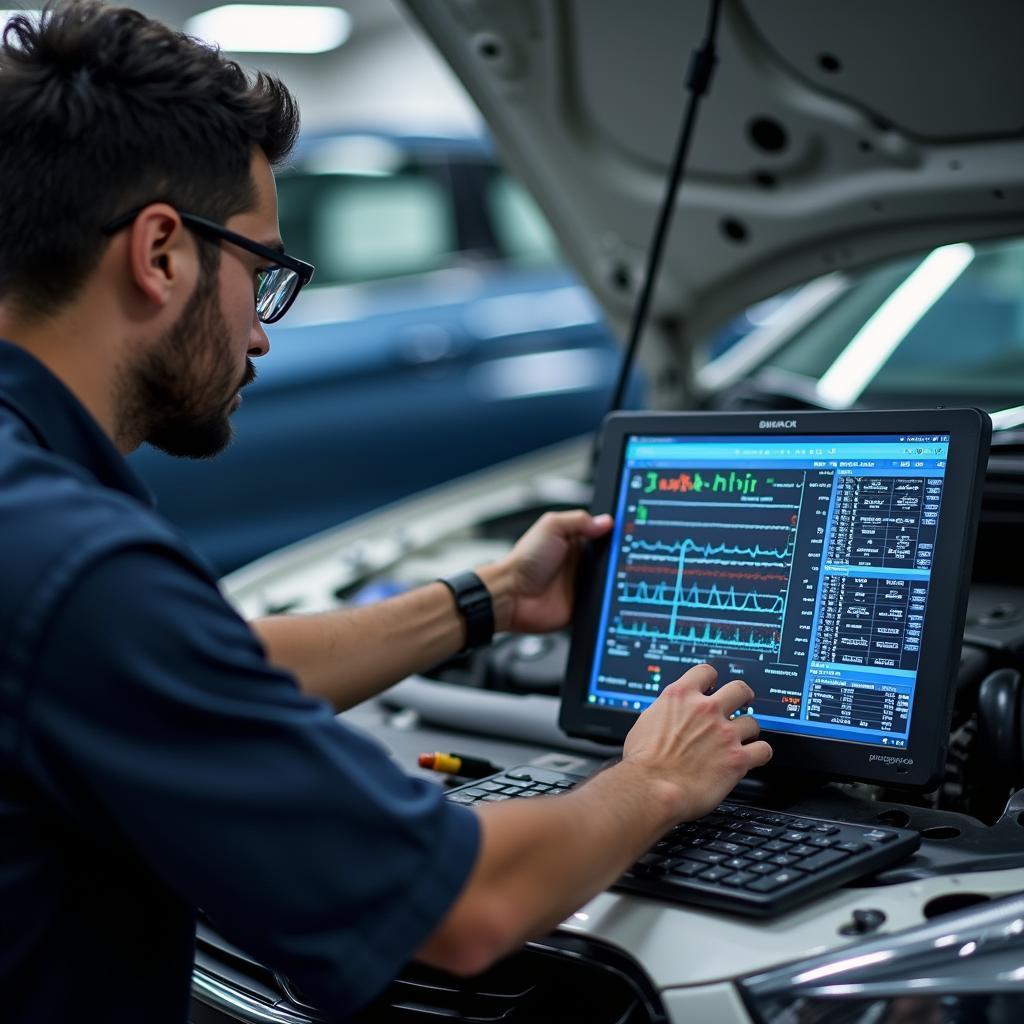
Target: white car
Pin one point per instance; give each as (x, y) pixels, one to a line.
(873, 153)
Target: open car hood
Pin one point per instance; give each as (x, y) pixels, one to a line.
(833, 134)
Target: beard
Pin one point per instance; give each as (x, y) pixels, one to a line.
(183, 388)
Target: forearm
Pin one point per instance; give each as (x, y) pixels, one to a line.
(542, 859)
(350, 655)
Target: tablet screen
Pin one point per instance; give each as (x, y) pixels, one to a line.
(799, 564)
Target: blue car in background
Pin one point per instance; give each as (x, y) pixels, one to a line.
(441, 334)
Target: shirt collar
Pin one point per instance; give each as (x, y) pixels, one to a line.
(61, 423)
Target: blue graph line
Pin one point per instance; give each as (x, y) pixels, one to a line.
(683, 548)
(751, 642)
(727, 600)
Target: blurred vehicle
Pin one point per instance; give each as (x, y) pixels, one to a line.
(861, 172)
(441, 334)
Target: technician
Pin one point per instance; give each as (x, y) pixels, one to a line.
(158, 754)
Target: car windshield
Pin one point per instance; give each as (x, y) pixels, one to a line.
(944, 325)
(411, 218)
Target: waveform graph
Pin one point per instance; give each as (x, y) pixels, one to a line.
(705, 562)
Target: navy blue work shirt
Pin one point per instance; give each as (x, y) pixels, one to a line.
(153, 762)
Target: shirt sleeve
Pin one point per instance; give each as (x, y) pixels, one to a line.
(155, 715)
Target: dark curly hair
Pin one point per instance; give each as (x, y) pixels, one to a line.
(103, 109)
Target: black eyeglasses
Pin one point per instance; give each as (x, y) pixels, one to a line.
(276, 286)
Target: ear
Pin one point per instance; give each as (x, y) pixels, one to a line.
(162, 255)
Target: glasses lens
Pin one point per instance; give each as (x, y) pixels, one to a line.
(275, 290)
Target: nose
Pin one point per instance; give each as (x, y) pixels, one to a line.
(259, 343)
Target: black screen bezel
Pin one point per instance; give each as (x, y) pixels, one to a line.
(969, 433)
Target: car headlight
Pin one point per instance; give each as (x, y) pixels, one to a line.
(963, 968)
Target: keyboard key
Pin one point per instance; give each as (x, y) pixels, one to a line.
(795, 837)
(801, 824)
(784, 860)
(851, 847)
(769, 883)
(714, 874)
(764, 867)
(693, 841)
(876, 835)
(703, 856)
(491, 787)
(686, 868)
(825, 830)
(462, 798)
(776, 846)
(738, 878)
(564, 784)
(801, 850)
(495, 796)
(530, 792)
(510, 780)
(648, 860)
(524, 776)
(731, 849)
(822, 860)
(736, 863)
(744, 840)
(822, 842)
(761, 854)
(764, 831)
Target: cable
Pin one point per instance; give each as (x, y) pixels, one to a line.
(698, 80)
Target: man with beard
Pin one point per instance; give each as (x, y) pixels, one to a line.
(158, 754)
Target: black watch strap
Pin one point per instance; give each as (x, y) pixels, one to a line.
(473, 600)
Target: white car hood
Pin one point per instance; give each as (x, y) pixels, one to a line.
(834, 133)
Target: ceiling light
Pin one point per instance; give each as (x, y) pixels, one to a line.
(272, 28)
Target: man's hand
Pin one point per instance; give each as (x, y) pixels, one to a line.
(532, 586)
(541, 859)
(687, 739)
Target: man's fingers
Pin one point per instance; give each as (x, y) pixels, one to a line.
(758, 754)
(733, 696)
(748, 727)
(700, 678)
(578, 523)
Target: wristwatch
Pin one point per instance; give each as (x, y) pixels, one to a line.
(473, 600)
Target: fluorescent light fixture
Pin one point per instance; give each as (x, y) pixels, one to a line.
(875, 342)
(272, 28)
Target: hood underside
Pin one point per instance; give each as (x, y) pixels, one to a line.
(833, 134)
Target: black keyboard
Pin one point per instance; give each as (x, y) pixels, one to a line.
(738, 858)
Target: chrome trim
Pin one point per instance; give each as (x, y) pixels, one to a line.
(238, 1006)
(976, 950)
